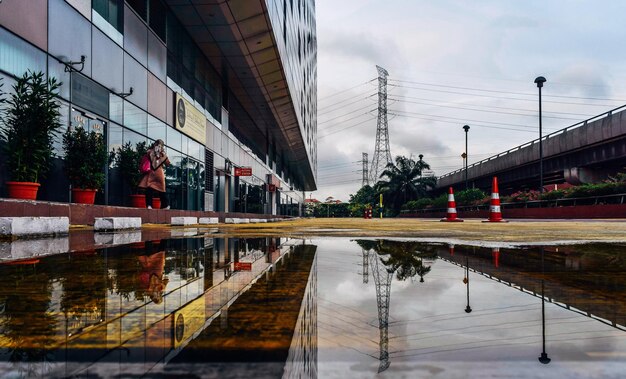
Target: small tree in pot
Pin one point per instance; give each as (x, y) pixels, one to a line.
(126, 160)
(85, 158)
(28, 131)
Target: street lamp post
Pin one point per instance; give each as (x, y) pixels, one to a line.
(539, 81)
(466, 128)
(421, 169)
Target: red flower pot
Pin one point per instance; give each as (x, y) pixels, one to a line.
(156, 203)
(138, 201)
(23, 190)
(84, 196)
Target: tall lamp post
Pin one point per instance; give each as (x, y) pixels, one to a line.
(539, 81)
(466, 128)
(421, 156)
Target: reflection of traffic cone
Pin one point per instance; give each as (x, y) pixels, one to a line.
(495, 254)
(451, 249)
(451, 215)
(495, 213)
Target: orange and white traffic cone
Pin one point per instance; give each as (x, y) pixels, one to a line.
(451, 249)
(495, 213)
(451, 214)
(495, 254)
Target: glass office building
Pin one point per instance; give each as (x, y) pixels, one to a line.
(230, 87)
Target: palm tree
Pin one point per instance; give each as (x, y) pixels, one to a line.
(405, 181)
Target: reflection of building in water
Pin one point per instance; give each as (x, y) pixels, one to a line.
(589, 280)
(76, 314)
(302, 359)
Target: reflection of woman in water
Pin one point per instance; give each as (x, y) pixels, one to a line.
(152, 280)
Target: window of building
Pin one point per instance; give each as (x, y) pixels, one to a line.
(112, 11)
(157, 18)
(208, 177)
(140, 7)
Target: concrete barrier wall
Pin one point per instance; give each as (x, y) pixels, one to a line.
(571, 212)
(82, 214)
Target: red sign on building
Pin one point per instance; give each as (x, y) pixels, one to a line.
(271, 187)
(243, 266)
(243, 171)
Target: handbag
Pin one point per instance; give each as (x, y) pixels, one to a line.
(145, 165)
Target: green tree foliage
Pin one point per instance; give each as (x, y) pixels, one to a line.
(402, 181)
(30, 126)
(405, 259)
(365, 195)
(471, 196)
(85, 158)
(126, 160)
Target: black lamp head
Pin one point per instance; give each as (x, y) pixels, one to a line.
(466, 128)
(544, 358)
(539, 81)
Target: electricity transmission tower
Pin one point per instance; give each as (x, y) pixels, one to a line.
(365, 171)
(382, 154)
(382, 280)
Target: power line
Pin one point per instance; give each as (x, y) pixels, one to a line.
(500, 97)
(326, 111)
(495, 112)
(344, 91)
(343, 115)
(483, 106)
(341, 130)
(465, 119)
(505, 92)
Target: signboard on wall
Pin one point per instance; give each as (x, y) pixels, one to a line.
(243, 266)
(243, 171)
(189, 120)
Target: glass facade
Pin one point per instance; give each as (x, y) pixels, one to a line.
(138, 56)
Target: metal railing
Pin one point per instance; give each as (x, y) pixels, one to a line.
(560, 131)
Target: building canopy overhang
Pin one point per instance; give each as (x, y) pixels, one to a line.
(237, 38)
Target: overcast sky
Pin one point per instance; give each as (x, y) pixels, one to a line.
(452, 63)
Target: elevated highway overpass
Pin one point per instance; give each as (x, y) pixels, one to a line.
(585, 152)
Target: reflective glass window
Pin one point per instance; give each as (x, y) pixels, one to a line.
(112, 11)
(135, 118)
(18, 56)
(174, 138)
(156, 129)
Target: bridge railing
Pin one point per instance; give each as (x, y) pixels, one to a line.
(565, 202)
(547, 136)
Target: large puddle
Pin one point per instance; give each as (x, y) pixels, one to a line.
(330, 307)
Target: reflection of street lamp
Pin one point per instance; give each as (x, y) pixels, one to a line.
(544, 357)
(466, 128)
(468, 309)
(539, 81)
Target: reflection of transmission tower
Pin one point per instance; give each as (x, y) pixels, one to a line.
(382, 154)
(382, 279)
(366, 266)
(365, 171)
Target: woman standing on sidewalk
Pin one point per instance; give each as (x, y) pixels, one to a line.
(154, 180)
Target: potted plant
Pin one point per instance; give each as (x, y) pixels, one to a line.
(28, 131)
(85, 157)
(126, 159)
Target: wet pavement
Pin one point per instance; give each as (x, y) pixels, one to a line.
(194, 304)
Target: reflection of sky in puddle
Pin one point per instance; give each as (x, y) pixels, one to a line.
(430, 332)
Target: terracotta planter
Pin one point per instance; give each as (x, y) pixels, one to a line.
(84, 196)
(23, 190)
(156, 203)
(138, 201)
